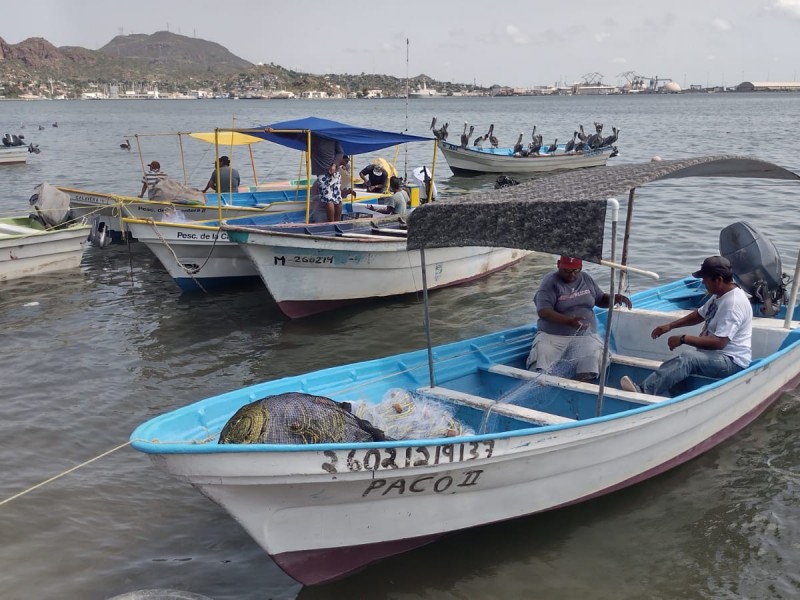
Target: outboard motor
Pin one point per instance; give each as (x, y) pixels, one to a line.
(99, 234)
(756, 265)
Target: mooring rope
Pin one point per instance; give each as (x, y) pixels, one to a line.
(60, 475)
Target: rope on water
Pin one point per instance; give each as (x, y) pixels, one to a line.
(60, 475)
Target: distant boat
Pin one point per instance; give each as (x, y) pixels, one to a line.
(424, 92)
(475, 161)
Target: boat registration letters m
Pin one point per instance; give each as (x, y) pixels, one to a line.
(374, 459)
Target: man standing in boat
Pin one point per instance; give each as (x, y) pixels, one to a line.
(723, 346)
(567, 327)
(326, 158)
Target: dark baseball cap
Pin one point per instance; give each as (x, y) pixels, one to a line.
(714, 266)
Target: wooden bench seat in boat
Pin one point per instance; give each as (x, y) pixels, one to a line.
(498, 408)
(571, 384)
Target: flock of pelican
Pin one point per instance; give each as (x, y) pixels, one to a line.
(580, 141)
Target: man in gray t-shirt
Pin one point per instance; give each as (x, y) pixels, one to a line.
(228, 177)
(567, 325)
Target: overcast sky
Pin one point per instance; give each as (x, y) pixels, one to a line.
(508, 42)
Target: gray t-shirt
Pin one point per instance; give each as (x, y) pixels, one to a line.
(398, 202)
(324, 153)
(228, 179)
(576, 299)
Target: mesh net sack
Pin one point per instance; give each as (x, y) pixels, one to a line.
(404, 415)
(296, 418)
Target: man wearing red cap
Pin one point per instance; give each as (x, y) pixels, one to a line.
(567, 327)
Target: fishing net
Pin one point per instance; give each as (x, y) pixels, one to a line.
(296, 418)
(405, 415)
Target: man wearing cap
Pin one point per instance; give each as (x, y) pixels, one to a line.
(375, 178)
(567, 327)
(228, 177)
(150, 179)
(723, 346)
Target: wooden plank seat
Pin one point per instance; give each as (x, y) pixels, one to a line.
(635, 361)
(571, 384)
(499, 408)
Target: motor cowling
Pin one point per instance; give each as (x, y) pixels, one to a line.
(756, 264)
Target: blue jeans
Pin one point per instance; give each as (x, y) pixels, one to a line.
(675, 370)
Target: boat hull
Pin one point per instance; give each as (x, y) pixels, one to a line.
(196, 257)
(468, 161)
(321, 512)
(310, 275)
(39, 252)
(13, 155)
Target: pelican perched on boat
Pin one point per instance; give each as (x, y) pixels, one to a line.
(441, 133)
(490, 136)
(552, 147)
(478, 143)
(536, 145)
(518, 146)
(611, 139)
(465, 136)
(570, 146)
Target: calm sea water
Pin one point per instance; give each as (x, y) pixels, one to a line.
(89, 354)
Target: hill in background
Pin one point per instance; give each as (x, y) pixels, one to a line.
(172, 63)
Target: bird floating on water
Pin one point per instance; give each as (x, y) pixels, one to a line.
(126, 145)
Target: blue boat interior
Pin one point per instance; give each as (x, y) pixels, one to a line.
(257, 199)
(483, 381)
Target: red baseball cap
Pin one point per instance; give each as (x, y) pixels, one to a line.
(570, 262)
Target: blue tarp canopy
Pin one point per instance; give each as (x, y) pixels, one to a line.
(354, 140)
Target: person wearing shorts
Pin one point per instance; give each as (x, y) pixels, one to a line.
(567, 327)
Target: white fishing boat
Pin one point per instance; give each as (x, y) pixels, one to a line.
(315, 268)
(326, 494)
(199, 256)
(35, 245)
(471, 160)
(15, 155)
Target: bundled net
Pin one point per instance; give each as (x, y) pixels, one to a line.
(405, 415)
(297, 418)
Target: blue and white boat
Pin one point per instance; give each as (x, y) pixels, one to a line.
(470, 160)
(514, 442)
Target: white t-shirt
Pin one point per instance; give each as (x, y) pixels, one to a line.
(730, 316)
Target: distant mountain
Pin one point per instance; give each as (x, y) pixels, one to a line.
(176, 53)
(162, 55)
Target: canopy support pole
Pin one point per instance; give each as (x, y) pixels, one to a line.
(614, 204)
(427, 317)
(626, 238)
(183, 159)
(308, 175)
(787, 322)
